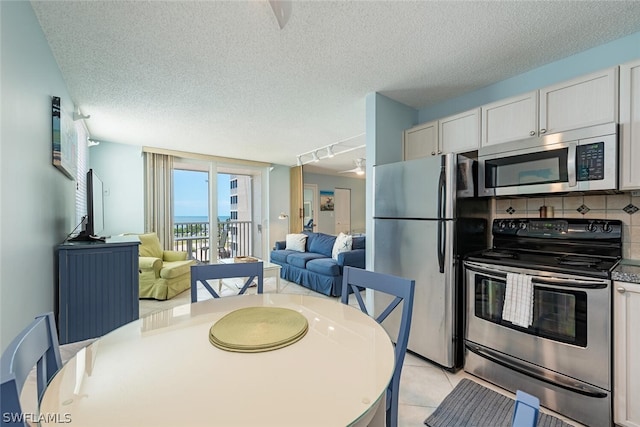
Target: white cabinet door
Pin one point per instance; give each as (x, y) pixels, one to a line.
(585, 101)
(630, 126)
(510, 119)
(626, 361)
(421, 141)
(461, 132)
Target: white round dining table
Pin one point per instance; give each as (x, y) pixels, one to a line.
(161, 370)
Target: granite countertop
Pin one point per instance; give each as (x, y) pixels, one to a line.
(627, 271)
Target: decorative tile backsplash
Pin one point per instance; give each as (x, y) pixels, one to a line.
(583, 209)
(630, 209)
(623, 207)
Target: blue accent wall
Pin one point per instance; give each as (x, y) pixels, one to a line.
(607, 55)
(38, 201)
(386, 121)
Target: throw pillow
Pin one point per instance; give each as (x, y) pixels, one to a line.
(343, 244)
(296, 242)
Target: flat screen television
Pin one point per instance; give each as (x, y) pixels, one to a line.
(93, 222)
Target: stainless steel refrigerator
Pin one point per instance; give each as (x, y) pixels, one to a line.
(422, 228)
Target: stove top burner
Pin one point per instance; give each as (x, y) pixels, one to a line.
(500, 254)
(570, 245)
(579, 264)
(579, 261)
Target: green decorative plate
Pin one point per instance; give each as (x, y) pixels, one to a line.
(256, 329)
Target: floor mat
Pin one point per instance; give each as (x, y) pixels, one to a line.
(473, 405)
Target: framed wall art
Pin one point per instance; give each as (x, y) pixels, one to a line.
(326, 200)
(64, 140)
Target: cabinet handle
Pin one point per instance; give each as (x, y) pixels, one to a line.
(433, 153)
(439, 152)
(532, 133)
(543, 131)
(621, 290)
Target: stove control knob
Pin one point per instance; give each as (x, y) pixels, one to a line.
(523, 226)
(592, 227)
(512, 225)
(606, 227)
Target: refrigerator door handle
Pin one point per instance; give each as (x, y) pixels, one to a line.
(441, 244)
(442, 194)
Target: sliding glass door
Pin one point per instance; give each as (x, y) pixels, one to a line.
(234, 193)
(191, 219)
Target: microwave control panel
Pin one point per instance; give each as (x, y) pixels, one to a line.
(590, 161)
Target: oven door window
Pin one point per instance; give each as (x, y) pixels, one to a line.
(543, 167)
(558, 314)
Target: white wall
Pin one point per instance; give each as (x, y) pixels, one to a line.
(326, 219)
(37, 208)
(279, 189)
(121, 169)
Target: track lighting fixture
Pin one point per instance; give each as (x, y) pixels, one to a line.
(330, 153)
(79, 116)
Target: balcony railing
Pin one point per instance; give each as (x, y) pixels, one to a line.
(233, 239)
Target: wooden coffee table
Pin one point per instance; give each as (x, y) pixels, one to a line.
(270, 269)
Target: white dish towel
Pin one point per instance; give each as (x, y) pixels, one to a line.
(518, 300)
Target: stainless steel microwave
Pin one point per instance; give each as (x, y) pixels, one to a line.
(584, 159)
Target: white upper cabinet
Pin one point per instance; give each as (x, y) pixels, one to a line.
(453, 134)
(585, 101)
(421, 141)
(630, 126)
(461, 132)
(510, 119)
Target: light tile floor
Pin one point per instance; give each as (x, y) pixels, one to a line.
(423, 385)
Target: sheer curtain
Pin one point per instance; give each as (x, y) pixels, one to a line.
(158, 206)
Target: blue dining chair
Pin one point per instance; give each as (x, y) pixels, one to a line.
(202, 273)
(36, 346)
(356, 279)
(525, 410)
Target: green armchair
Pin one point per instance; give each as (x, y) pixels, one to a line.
(163, 274)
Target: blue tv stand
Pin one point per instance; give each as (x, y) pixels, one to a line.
(97, 287)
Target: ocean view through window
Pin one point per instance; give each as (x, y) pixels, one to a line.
(191, 211)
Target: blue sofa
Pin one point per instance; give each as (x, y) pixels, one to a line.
(315, 268)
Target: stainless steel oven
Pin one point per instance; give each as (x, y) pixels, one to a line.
(563, 355)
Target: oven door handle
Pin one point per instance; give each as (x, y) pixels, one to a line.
(530, 371)
(539, 280)
(571, 283)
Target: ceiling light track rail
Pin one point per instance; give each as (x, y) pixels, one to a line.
(327, 151)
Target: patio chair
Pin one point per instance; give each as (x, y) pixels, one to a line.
(204, 272)
(223, 252)
(354, 280)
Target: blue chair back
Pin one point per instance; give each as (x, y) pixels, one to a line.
(204, 272)
(308, 226)
(525, 410)
(36, 346)
(356, 279)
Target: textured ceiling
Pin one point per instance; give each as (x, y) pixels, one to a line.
(221, 78)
